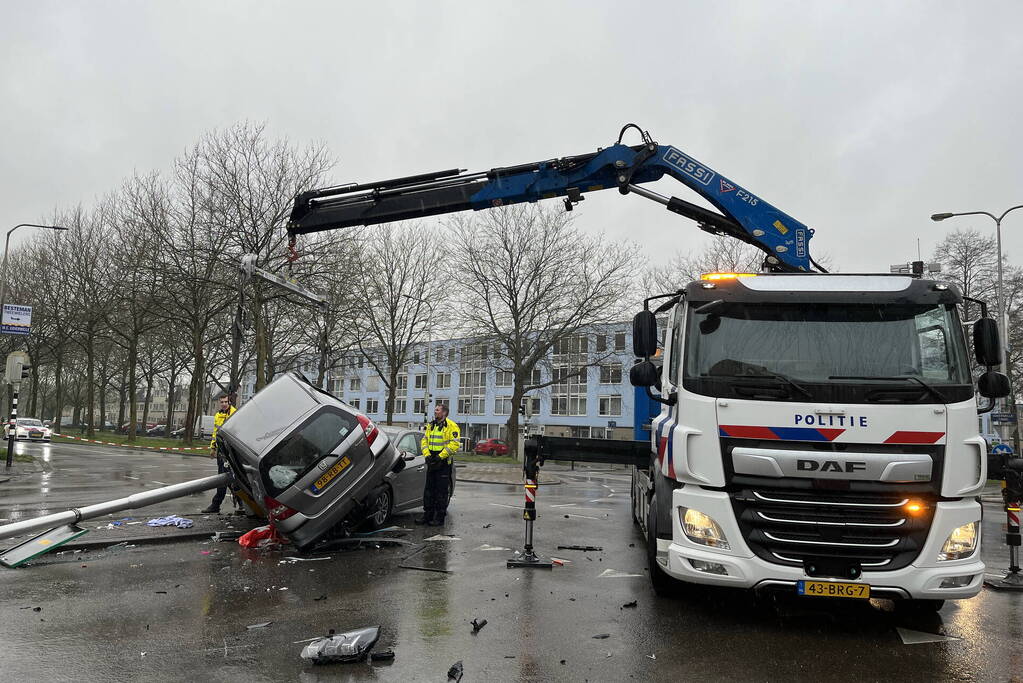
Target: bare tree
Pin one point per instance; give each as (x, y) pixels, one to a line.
(529, 280)
(398, 278)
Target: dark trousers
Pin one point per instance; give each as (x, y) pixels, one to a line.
(437, 492)
(221, 493)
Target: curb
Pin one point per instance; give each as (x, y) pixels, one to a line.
(556, 482)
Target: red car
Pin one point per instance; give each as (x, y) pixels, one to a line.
(491, 447)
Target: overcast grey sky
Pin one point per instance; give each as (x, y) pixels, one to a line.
(858, 118)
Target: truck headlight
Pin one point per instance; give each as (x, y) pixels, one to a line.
(962, 542)
(701, 528)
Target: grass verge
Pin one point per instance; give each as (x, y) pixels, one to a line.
(486, 459)
(140, 441)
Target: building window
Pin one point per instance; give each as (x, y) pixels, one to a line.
(373, 383)
(472, 381)
(400, 406)
(533, 409)
(504, 378)
(568, 391)
(419, 406)
(337, 386)
(610, 406)
(502, 405)
(443, 380)
(620, 341)
(601, 343)
(354, 403)
(362, 362)
(446, 402)
(421, 381)
(415, 357)
(451, 355)
(355, 384)
(438, 356)
(611, 373)
(372, 405)
(402, 386)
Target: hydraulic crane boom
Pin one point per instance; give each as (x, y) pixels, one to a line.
(744, 215)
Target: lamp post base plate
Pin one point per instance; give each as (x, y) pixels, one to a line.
(1013, 581)
(529, 561)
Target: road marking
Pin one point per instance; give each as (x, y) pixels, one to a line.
(615, 574)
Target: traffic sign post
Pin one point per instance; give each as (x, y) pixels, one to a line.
(17, 362)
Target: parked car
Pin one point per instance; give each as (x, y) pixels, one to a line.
(29, 428)
(311, 461)
(158, 430)
(405, 488)
(139, 427)
(204, 425)
(491, 447)
(178, 433)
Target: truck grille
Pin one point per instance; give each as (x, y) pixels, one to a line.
(868, 530)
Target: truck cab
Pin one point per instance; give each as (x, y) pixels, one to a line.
(818, 434)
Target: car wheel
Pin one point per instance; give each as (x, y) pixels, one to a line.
(380, 508)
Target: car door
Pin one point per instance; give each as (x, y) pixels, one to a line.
(410, 481)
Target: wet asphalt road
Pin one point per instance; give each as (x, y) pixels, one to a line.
(187, 605)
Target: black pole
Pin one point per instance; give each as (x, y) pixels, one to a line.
(12, 427)
(531, 474)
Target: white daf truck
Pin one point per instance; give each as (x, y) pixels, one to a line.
(817, 434)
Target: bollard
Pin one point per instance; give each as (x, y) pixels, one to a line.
(1012, 494)
(531, 472)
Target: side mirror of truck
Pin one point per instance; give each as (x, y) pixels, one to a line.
(644, 374)
(993, 384)
(986, 344)
(644, 335)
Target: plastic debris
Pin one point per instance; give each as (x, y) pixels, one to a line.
(222, 536)
(322, 597)
(171, 520)
(652, 656)
(443, 537)
(455, 672)
(252, 627)
(629, 604)
(477, 626)
(584, 548)
(602, 636)
(384, 656)
(260, 537)
(351, 646)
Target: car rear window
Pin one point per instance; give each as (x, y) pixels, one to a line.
(304, 448)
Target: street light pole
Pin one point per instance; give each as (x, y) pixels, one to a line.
(1003, 314)
(7, 244)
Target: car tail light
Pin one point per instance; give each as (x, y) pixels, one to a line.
(276, 510)
(368, 427)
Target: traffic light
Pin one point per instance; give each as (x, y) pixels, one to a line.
(26, 371)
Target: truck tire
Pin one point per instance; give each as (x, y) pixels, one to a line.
(664, 586)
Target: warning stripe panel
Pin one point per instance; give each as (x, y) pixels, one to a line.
(914, 437)
(780, 433)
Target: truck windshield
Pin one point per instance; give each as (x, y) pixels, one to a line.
(827, 343)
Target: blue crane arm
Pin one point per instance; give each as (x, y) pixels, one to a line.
(743, 215)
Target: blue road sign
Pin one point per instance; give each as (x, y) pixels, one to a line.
(1002, 448)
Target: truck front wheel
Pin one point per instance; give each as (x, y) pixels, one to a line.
(664, 585)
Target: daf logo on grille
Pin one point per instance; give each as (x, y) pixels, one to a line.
(831, 466)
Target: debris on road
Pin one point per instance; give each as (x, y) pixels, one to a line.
(629, 604)
(384, 656)
(487, 546)
(253, 627)
(443, 537)
(322, 597)
(415, 552)
(351, 646)
(602, 636)
(477, 626)
(455, 672)
(221, 536)
(260, 537)
(171, 520)
(584, 548)
(652, 656)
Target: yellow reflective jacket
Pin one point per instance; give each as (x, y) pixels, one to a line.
(219, 419)
(441, 440)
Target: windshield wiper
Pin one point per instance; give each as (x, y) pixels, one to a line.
(903, 378)
(788, 380)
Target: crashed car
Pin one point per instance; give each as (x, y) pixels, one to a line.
(312, 462)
